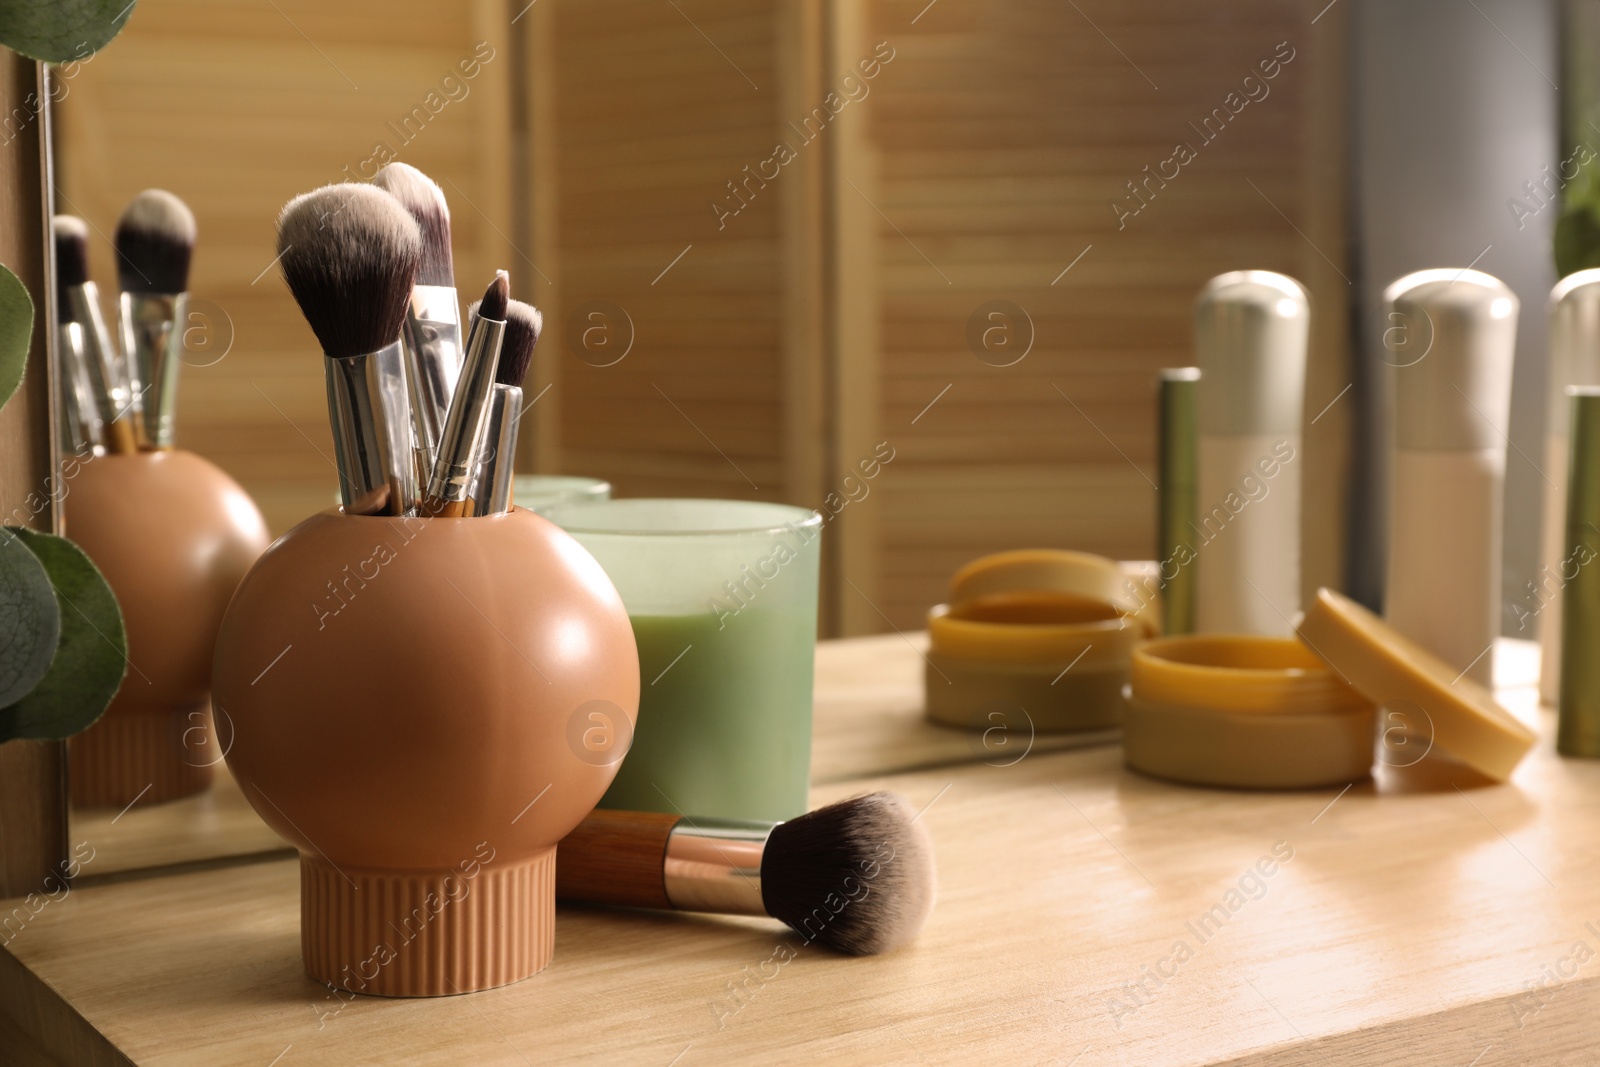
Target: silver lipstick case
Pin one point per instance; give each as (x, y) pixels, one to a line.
(491, 486)
(116, 395)
(462, 442)
(370, 408)
(82, 428)
(715, 865)
(433, 365)
(150, 326)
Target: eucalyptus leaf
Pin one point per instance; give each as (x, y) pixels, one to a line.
(91, 657)
(16, 331)
(61, 30)
(30, 620)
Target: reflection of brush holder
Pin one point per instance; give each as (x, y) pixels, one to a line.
(173, 535)
(413, 703)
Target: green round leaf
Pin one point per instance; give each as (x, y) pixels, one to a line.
(16, 331)
(30, 620)
(91, 657)
(1576, 242)
(61, 30)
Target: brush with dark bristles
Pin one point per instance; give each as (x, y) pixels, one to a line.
(155, 240)
(449, 492)
(109, 409)
(491, 485)
(857, 876)
(433, 322)
(349, 254)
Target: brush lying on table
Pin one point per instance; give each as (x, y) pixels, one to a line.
(857, 876)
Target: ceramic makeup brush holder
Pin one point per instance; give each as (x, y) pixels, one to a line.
(173, 535)
(415, 706)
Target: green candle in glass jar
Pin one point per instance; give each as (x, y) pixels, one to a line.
(723, 600)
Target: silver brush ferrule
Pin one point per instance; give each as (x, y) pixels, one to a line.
(433, 364)
(115, 395)
(491, 485)
(370, 410)
(82, 428)
(152, 345)
(453, 468)
(715, 865)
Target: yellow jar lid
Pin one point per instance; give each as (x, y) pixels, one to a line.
(1390, 668)
(1238, 673)
(1054, 570)
(1034, 627)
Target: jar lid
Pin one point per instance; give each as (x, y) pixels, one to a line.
(1389, 668)
(1056, 571)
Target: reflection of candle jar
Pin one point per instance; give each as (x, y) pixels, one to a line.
(173, 535)
(403, 694)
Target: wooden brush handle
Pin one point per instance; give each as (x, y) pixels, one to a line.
(616, 857)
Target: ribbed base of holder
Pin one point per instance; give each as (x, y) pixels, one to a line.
(145, 758)
(427, 933)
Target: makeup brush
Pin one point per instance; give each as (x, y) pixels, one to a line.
(858, 876)
(113, 404)
(433, 320)
(349, 254)
(449, 492)
(155, 238)
(82, 430)
(491, 485)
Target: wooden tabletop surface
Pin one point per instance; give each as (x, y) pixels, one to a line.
(867, 719)
(1086, 916)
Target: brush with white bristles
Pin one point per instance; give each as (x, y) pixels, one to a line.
(114, 405)
(155, 240)
(857, 876)
(491, 485)
(449, 493)
(349, 254)
(433, 320)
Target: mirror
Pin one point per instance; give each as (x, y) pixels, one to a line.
(779, 245)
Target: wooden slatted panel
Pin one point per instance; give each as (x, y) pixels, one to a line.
(1001, 132)
(658, 106)
(237, 107)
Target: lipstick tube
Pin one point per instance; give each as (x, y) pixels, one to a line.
(1574, 360)
(152, 346)
(1452, 405)
(1578, 692)
(450, 486)
(432, 338)
(1250, 343)
(371, 414)
(116, 393)
(491, 487)
(1175, 499)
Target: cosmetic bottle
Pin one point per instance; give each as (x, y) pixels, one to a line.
(1251, 329)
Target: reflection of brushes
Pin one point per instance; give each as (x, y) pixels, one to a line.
(155, 238)
(857, 876)
(433, 321)
(349, 254)
(491, 485)
(449, 492)
(113, 404)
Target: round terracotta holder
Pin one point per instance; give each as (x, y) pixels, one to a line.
(173, 535)
(404, 695)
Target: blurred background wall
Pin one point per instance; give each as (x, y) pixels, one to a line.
(780, 244)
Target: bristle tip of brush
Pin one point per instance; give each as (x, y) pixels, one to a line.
(871, 851)
(155, 241)
(350, 254)
(523, 323)
(71, 236)
(421, 196)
